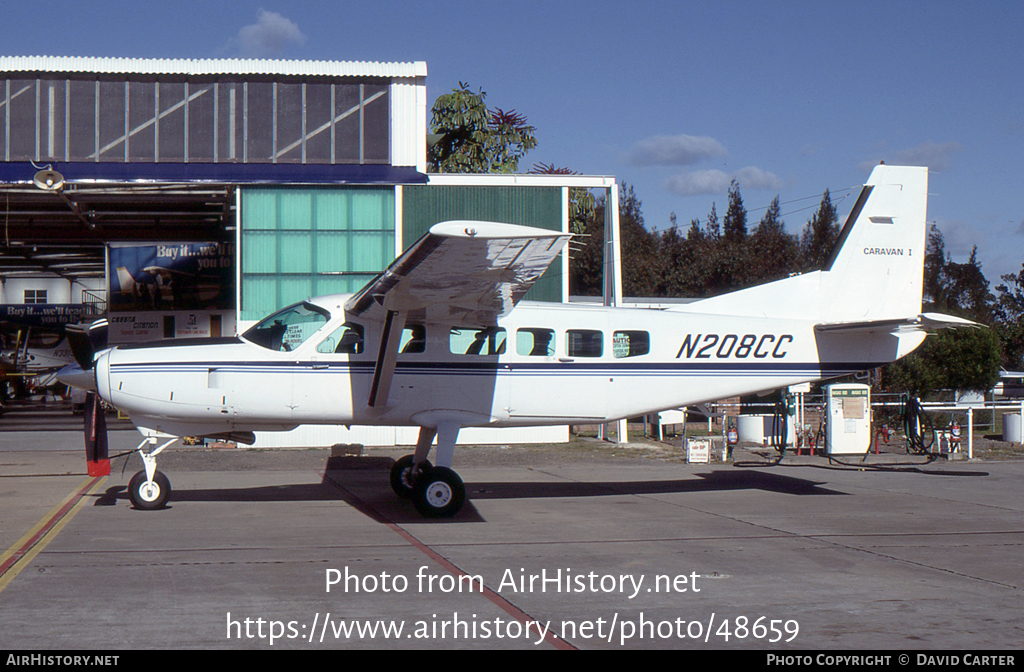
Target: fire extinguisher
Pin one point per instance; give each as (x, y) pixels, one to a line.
(954, 433)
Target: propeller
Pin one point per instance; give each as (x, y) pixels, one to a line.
(97, 456)
(85, 340)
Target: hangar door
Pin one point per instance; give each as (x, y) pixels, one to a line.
(295, 243)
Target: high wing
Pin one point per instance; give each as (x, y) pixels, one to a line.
(468, 272)
(460, 272)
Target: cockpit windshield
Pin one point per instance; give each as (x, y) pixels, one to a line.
(288, 328)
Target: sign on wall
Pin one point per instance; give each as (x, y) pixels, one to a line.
(171, 276)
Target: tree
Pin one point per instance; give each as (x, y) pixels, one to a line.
(581, 201)
(732, 251)
(470, 138)
(953, 359)
(775, 252)
(641, 261)
(1009, 313)
(819, 236)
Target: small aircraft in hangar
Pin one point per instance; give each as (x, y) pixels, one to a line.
(440, 340)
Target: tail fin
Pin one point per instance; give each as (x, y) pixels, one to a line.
(875, 271)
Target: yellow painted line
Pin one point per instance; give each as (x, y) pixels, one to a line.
(19, 555)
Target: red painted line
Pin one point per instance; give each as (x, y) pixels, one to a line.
(499, 601)
(45, 529)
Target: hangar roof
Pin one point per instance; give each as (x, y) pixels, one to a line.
(211, 66)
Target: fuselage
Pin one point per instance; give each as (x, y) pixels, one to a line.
(542, 364)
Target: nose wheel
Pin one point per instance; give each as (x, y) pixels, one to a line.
(149, 489)
(149, 494)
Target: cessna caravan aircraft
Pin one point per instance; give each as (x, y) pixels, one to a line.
(440, 340)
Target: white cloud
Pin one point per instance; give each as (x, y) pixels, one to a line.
(960, 237)
(700, 182)
(752, 177)
(268, 37)
(717, 182)
(934, 155)
(674, 150)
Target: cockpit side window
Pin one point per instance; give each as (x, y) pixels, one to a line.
(346, 340)
(289, 328)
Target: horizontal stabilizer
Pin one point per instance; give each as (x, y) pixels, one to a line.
(923, 322)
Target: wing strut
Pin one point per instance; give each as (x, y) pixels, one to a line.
(383, 372)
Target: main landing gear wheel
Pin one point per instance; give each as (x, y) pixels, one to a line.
(438, 493)
(403, 480)
(146, 495)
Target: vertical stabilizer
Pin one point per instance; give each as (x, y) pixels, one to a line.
(875, 272)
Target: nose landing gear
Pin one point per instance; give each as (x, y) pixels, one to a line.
(150, 489)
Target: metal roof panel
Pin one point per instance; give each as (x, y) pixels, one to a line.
(211, 66)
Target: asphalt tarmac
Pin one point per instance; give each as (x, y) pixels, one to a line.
(584, 546)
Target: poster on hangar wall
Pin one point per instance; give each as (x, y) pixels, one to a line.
(171, 277)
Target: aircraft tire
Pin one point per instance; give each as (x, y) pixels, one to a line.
(149, 497)
(402, 480)
(439, 493)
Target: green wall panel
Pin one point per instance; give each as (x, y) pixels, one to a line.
(303, 242)
(424, 206)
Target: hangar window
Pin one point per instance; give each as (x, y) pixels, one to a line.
(584, 343)
(489, 341)
(138, 117)
(630, 343)
(35, 296)
(533, 342)
(346, 340)
(289, 328)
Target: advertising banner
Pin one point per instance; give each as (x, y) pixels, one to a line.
(172, 276)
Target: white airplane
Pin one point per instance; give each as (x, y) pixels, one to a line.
(441, 341)
(40, 355)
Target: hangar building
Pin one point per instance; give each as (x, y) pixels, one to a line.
(193, 197)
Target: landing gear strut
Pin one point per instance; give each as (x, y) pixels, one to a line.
(149, 489)
(436, 491)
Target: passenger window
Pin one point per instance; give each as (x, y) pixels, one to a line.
(584, 343)
(535, 342)
(490, 341)
(630, 343)
(414, 339)
(346, 340)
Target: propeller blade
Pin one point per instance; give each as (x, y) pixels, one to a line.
(96, 454)
(85, 340)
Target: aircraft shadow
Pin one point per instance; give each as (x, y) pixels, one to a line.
(343, 477)
(303, 492)
(714, 481)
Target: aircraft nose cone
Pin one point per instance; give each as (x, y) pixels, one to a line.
(76, 377)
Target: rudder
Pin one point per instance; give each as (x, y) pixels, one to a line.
(876, 270)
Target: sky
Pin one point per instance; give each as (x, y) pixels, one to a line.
(675, 99)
